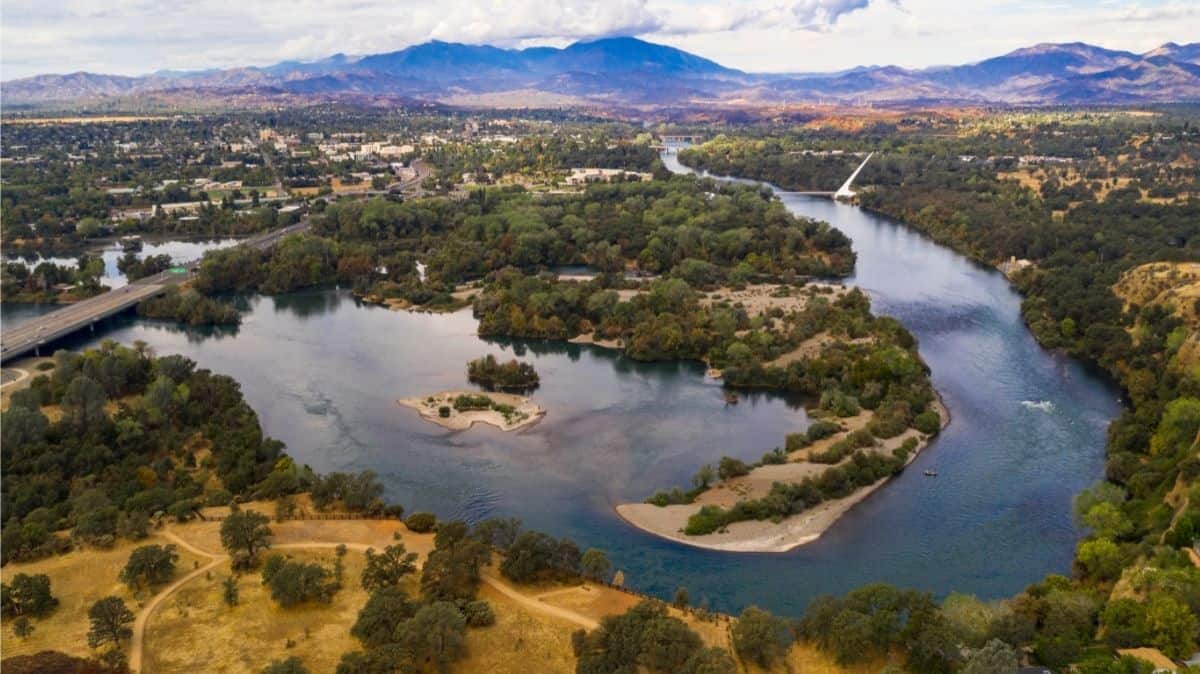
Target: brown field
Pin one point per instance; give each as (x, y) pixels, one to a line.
(78, 579)
(183, 632)
(192, 630)
(521, 641)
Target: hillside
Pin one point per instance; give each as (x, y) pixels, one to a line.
(1172, 284)
(628, 70)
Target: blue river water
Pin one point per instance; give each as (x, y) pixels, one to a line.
(323, 371)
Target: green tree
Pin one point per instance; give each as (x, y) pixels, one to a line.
(1107, 521)
(293, 583)
(245, 532)
(386, 608)
(28, 595)
(996, 657)
(668, 643)
(703, 477)
(1178, 428)
(451, 571)
(388, 567)
(1100, 559)
(435, 635)
(760, 636)
(595, 565)
(83, 403)
(1171, 626)
(149, 565)
(110, 622)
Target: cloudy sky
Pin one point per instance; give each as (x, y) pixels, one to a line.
(134, 37)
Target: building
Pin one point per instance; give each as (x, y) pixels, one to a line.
(583, 176)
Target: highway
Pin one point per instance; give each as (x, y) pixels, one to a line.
(28, 337)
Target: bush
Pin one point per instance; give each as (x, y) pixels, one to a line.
(730, 467)
(444, 411)
(928, 422)
(479, 614)
(821, 429)
(795, 441)
(421, 523)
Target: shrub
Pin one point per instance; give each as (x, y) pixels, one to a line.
(730, 467)
(797, 441)
(421, 523)
(821, 429)
(928, 422)
(444, 411)
(479, 614)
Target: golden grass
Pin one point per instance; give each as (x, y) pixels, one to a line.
(806, 658)
(195, 631)
(78, 579)
(521, 641)
(593, 601)
(377, 533)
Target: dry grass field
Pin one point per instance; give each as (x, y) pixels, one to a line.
(193, 630)
(78, 579)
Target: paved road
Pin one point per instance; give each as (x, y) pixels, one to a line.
(29, 336)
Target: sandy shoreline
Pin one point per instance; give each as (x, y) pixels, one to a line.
(527, 412)
(764, 535)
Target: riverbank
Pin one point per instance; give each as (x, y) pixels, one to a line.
(507, 411)
(765, 535)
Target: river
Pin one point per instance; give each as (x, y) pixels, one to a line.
(1028, 430)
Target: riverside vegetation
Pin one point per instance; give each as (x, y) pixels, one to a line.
(1114, 195)
(1132, 583)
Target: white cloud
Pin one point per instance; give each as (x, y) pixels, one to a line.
(140, 36)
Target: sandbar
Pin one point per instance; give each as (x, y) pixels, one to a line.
(764, 535)
(525, 411)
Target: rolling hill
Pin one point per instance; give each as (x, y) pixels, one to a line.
(626, 70)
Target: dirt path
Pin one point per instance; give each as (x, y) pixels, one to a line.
(531, 602)
(21, 376)
(137, 642)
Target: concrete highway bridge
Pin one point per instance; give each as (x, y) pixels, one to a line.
(31, 336)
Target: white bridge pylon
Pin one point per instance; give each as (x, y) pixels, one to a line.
(844, 192)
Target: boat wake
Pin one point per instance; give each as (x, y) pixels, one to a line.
(1042, 405)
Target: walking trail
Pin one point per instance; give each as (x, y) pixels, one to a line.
(137, 643)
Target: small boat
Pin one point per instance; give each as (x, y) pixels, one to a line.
(930, 473)
(731, 398)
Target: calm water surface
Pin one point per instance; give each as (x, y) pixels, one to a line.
(323, 373)
(179, 250)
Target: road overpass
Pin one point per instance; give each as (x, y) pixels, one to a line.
(31, 336)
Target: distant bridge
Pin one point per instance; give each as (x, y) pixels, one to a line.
(36, 333)
(844, 192)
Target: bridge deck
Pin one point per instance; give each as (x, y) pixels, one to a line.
(27, 337)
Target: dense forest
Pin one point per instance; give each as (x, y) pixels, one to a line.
(683, 226)
(1109, 197)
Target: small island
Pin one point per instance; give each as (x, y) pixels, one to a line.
(821, 474)
(459, 410)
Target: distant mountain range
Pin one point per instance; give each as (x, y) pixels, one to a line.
(631, 72)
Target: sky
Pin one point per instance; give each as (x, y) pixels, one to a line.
(135, 37)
